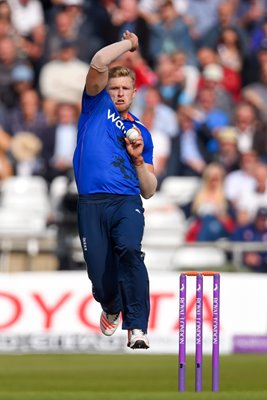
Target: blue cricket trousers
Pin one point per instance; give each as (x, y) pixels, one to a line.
(111, 229)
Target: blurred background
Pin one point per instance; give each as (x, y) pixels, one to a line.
(201, 74)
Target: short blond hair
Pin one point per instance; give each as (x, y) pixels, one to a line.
(120, 71)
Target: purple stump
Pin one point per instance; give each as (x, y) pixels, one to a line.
(216, 334)
(182, 334)
(199, 333)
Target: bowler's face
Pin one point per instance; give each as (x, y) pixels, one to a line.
(122, 92)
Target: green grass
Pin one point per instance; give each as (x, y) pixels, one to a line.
(125, 377)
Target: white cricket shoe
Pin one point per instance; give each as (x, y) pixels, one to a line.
(137, 339)
(109, 323)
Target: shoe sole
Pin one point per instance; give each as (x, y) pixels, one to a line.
(139, 344)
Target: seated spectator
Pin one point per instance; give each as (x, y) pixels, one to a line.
(29, 117)
(256, 231)
(231, 59)
(212, 215)
(201, 16)
(8, 60)
(225, 19)
(62, 79)
(162, 123)
(250, 14)
(25, 151)
(26, 15)
(189, 154)
(187, 76)
(228, 49)
(22, 77)
(59, 142)
(171, 33)
(243, 178)
(210, 117)
(126, 16)
(169, 89)
(150, 109)
(103, 10)
(253, 64)
(213, 78)
(6, 27)
(5, 10)
(258, 34)
(251, 200)
(31, 48)
(256, 94)
(64, 28)
(149, 9)
(251, 132)
(228, 155)
(206, 56)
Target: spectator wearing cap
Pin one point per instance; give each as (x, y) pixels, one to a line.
(61, 80)
(228, 154)
(213, 78)
(22, 79)
(256, 231)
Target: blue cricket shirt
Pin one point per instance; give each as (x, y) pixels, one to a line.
(101, 162)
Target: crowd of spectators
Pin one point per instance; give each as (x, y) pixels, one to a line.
(201, 75)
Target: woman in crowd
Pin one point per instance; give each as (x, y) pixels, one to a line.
(211, 212)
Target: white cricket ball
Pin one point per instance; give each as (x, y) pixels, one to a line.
(132, 134)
